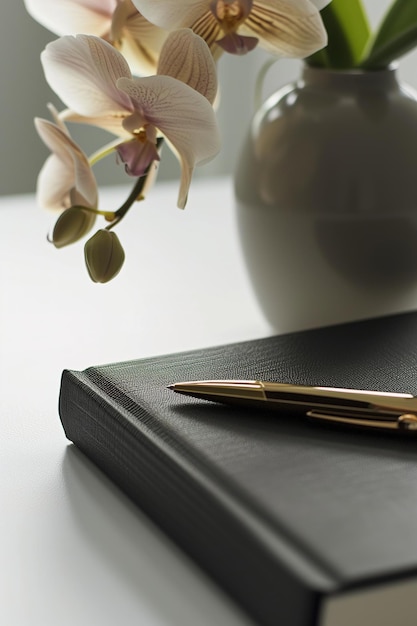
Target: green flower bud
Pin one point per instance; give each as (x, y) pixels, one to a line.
(104, 256)
(72, 225)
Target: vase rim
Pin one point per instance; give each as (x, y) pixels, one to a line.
(355, 78)
(355, 71)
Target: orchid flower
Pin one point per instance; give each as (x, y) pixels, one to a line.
(93, 79)
(66, 178)
(116, 21)
(66, 183)
(290, 28)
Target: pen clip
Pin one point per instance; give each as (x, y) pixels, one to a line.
(403, 422)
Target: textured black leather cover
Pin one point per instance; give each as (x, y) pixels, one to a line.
(281, 512)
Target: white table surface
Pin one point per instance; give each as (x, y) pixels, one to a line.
(73, 549)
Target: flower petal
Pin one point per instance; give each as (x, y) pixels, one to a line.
(54, 184)
(123, 11)
(182, 114)
(83, 71)
(69, 17)
(113, 124)
(286, 27)
(172, 14)
(138, 40)
(72, 165)
(177, 110)
(195, 14)
(57, 118)
(186, 56)
(210, 30)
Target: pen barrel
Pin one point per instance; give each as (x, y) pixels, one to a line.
(354, 407)
(333, 398)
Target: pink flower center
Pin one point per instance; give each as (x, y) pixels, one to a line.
(138, 153)
(230, 14)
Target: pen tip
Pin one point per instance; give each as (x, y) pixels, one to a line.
(171, 387)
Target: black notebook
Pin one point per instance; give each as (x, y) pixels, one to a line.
(303, 524)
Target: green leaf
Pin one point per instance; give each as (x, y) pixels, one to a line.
(396, 35)
(395, 48)
(348, 33)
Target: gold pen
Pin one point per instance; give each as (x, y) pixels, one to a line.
(354, 407)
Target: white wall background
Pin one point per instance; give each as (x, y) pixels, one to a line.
(24, 94)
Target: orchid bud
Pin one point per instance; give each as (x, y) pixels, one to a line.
(104, 256)
(72, 225)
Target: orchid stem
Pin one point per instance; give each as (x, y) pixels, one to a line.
(135, 194)
(103, 152)
(132, 197)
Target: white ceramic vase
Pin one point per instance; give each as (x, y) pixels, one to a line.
(326, 192)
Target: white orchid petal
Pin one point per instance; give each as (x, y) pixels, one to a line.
(69, 17)
(54, 184)
(120, 16)
(177, 110)
(83, 71)
(185, 182)
(195, 14)
(151, 35)
(103, 6)
(57, 118)
(134, 122)
(112, 124)
(141, 44)
(127, 17)
(73, 160)
(182, 114)
(142, 60)
(171, 13)
(186, 56)
(53, 138)
(285, 27)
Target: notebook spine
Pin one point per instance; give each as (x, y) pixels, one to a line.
(212, 531)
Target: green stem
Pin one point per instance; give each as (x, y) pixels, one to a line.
(104, 151)
(132, 197)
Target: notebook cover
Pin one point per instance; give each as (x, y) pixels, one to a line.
(280, 511)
